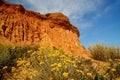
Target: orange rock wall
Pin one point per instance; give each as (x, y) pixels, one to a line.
(21, 27)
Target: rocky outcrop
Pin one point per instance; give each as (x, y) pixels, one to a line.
(24, 27)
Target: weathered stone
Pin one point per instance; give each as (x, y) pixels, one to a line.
(21, 27)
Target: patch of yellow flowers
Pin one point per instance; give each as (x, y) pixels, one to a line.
(65, 74)
(53, 64)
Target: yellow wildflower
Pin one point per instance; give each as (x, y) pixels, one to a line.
(51, 78)
(5, 67)
(33, 53)
(119, 63)
(68, 60)
(82, 65)
(41, 63)
(99, 67)
(59, 65)
(80, 71)
(13, 47)
(79, 61)
(106, 75)
(27, 64)
(108, 67)
(77, 70)
(34, 73)
(65, 66)
(54, 64)
(53, 69)
(57, 69)
(21, 62)
(15, 74)
(86, 70)
(13, 69)
(113, 69)
(105, 65)
(54, 55)
(39, 49)
(62, 56)
(72, 79)
(75, 66)
(29, 51)
(89, 74)
(110, 60)
(65, 74)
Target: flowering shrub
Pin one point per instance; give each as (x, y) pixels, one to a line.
(53, 64)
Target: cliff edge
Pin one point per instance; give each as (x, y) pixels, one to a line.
(24, 27)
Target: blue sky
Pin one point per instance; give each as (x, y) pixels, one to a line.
(97, 20)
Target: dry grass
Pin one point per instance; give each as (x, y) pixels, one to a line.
(103, 52)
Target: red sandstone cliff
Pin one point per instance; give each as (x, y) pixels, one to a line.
(20, 27)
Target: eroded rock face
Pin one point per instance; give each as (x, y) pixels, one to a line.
(21, 27)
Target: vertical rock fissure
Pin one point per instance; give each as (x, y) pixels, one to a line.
(27, 26)
(22, 32)
(4, 25)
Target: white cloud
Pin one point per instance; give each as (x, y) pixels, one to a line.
(74, 9)
(68, 7)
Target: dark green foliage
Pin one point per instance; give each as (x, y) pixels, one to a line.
(4, 54)
(8, 54)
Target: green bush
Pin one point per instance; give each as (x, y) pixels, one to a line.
(8, 55)
(4, 53)
(104, 53)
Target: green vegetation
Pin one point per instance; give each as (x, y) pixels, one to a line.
(38, 63)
